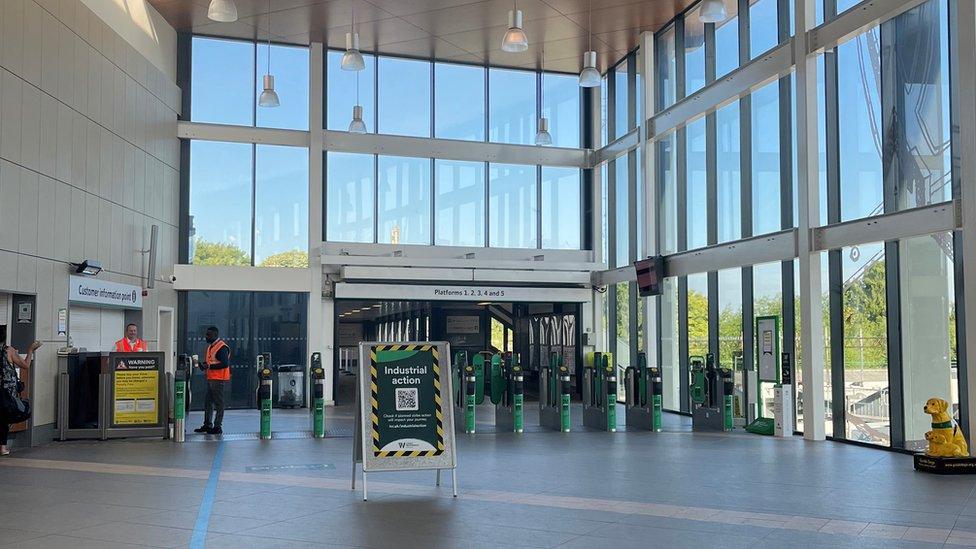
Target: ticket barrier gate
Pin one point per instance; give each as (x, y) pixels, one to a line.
(600, 392)
(265, 386)
(643, 386)
(554, 394)
(711, 395)
(181, 397)
(469, 389)
(318, 396)
(509, 414)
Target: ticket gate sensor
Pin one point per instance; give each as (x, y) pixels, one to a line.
(600, 392)
(711, 395)
(184, 365)
(318, 396)
(509, 407)
(554, 391)
(265, 386)
(643, 387)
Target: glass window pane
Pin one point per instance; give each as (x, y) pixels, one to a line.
(928, 316)
(561, 208)
(404, 97)
(511, 106)
(512, 205)
(561, 105)
(459, 110)
(763, 27)
(669, 194)
(221, 76)
(866, 345)
(350, 197)
(918, 62)
(460, 203)
(621, 212)
(220, 203)
(728, 163)
(859, 119)
(698, 315)
(281, 206)
(697, 212)
(404, 200)
(604, 109)
(670, 373)
(621, 99)
(694, 52)
(343, 88)
(289, 65)
(730, 332)
(666, 67)
(766, 181)
(727, 40)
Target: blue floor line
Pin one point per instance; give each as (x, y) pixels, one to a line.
(199, 539)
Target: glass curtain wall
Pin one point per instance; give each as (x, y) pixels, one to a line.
(888, 307)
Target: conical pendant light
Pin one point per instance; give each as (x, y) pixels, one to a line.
(269, 97)
(589, 77)
(357, 125)
(515, 40)
(543, 137)
(713, 11)
(352, 60)
(222, 11)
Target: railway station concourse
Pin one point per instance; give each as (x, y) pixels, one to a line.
(542, 273)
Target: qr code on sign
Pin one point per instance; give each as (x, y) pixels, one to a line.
(406, 399)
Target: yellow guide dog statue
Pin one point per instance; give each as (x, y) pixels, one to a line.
(945, 439)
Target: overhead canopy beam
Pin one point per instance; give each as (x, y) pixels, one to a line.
(620, 146)
(855, 21)
(241, 134)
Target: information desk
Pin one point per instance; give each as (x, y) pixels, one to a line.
(112, 395)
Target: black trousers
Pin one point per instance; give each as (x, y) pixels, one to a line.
(214, 399)
(4, 431)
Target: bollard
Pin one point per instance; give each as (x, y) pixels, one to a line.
(264, 396)
(518, 396)
(469, 403)
(564, 419)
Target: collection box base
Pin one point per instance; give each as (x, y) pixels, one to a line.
(945, 465)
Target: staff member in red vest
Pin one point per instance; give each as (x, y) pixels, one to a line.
(217, 368)
(131, 342)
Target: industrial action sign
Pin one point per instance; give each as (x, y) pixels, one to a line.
(135, 384)
(405, 421)
(406, 401)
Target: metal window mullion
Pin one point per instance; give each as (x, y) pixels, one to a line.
(713, 299)
(745, 31)
(631, 91)
(962, 58)
(711, 179)
(254, 196)
(376, 199)
(684, 395)
(538, 207)
(611, 105)
(709, 53)
(789, 317)
(786, 153)
(891, 105)
(745, 165)
(679, 58)
(834, 258)
(184, 66)
(487, 241)
(748, 327)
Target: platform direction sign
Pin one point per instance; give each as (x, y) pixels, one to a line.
(404, 419)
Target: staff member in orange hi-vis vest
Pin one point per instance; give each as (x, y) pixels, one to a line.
(216, 366)
(131, 342)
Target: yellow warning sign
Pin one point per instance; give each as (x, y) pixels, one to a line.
(136, 387)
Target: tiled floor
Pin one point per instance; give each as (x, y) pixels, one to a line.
(540, 489)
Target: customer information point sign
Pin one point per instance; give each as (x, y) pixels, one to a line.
(402, 424)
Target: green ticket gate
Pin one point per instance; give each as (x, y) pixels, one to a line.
(265, 381)
(600, 392)
(643, 387)
(554, 394)
(711, 395)
(469, 389)
(184, 365)
(318, 396)
(510, 380)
